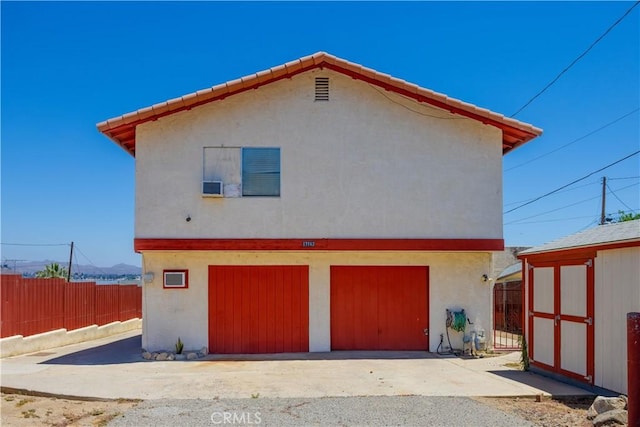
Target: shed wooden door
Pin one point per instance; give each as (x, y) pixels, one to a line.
(258, 309)
(561, 310)
(379, 307)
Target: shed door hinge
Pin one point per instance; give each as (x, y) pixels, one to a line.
(588, 321)
(589, 378)
(589, 263)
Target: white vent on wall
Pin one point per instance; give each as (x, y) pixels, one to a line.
(212, 188)
(322, 89)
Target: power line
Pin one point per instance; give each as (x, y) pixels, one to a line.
(616, 196)
(595, 221)
(416, 111)
(75, 257)
(567, 206)
(574, 141)
(626, 177)
(571, 183)
(548, 220)
(553, 210)
(576, 60)
(35, 244)
(567, 190)
(91, 262)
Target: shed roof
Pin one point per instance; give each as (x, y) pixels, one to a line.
(122, 129)
(619, 232)
(514, 271)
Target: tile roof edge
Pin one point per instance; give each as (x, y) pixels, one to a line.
(202, 96)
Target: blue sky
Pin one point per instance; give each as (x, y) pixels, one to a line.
(68, 66)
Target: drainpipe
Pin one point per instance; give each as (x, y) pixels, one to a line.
(633, 368)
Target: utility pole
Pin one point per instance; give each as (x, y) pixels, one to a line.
(70, 259)
(604, 200)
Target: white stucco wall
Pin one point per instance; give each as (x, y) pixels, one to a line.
(454, 282)
(368, 163)
(617, 292)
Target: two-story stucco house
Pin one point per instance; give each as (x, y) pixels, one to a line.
(318, 205)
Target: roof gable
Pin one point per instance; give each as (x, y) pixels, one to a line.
(122, 129)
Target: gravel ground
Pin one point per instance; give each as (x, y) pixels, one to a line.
(329, 411)
(18, 410)
(545, 411)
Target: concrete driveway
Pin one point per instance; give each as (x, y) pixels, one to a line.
(113, 368)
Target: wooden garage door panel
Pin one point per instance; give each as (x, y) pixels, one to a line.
(258, 309)
(403, 316)
(354, 323)
(379, 308)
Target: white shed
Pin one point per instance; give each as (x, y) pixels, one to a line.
(578, 291)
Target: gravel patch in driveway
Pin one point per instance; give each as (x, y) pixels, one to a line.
(327, 411)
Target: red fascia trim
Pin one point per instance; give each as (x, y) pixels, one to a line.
(127, 127)
(520, 135)
(141, 244)
(575, 253)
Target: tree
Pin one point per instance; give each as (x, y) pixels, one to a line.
(52, 270)
(623, 216)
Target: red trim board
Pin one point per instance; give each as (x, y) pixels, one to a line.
(311, 244)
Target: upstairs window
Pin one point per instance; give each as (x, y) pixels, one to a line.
(241, 172)
(260, 172)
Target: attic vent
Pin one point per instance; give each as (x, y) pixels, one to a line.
(322, 89)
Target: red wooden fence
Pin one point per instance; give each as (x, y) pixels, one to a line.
(32, 306)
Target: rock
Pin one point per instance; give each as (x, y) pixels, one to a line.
(204, 351)
(146, 355)
(611, 418)
(604, 404)
(591, 413)
(171, 356)
(200, 354)
(192, 356)
(162, 356)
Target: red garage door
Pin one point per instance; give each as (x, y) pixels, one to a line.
(379, 308)
(258, 309)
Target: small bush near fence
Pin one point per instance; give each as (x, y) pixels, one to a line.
(32, 306)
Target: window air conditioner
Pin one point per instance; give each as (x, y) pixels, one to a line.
(175, 279)
(212, 188)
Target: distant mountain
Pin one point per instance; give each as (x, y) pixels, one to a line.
(31, 267)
